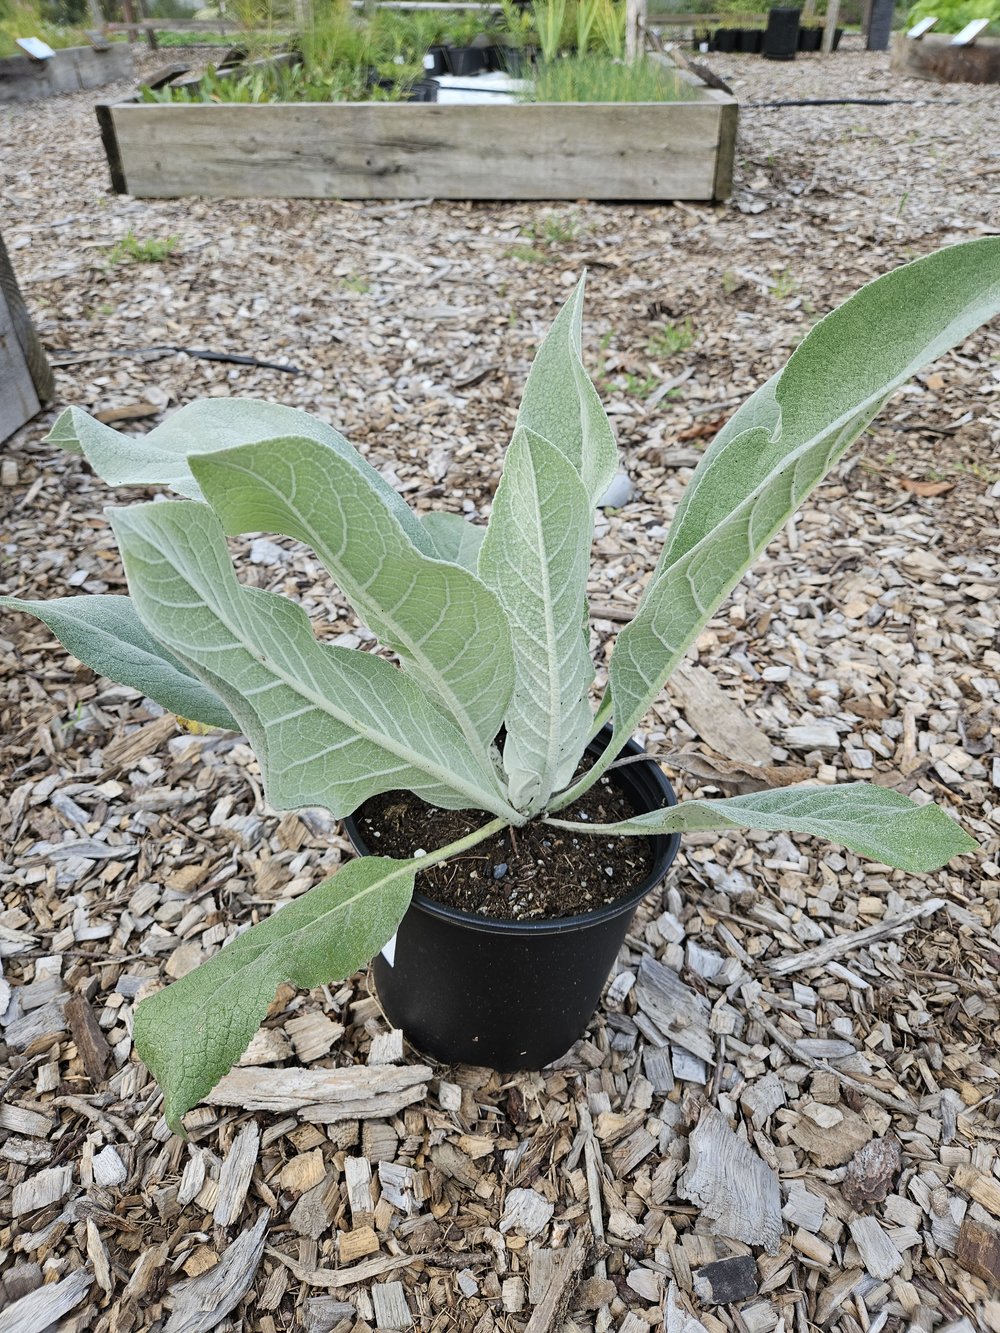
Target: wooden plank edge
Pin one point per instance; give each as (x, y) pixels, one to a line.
(24, 331)
(725, 151)
(109, 138)
(708, 102)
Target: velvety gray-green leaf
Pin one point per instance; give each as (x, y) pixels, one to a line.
(454, 538)
(160, 457)
(449, 629)
(106, 634)
(873, 821)
(330, 726)
(845, 367)
(193, 1032)
(561, 404)
(534, 557)
(782, 442)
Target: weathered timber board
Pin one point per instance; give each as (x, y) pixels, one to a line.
(25, 377)
(934, 57)
(69, 71)
(678, 150)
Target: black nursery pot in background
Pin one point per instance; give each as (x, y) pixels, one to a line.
(511, 994)
(466, 60)
(424, 90)
(781, 37)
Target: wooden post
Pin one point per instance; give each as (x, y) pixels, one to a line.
(808, 10)
(128, 9)
(635, 28)
(832, 15)
(96, 16)
(866, 19)
(150, 34)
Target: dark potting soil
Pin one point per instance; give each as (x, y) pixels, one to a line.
(519, 874)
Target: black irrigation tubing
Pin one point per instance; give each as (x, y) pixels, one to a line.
(201, 353)
(233, 358)
(857, 101)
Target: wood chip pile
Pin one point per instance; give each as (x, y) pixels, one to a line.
(785, 1115)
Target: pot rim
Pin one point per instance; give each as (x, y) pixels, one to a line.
(665, 849)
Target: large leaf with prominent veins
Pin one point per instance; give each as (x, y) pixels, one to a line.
(561, 404)
(875, 821)
(194, 1031)
(782, 442)
(106, 633)
(330, 726)
(454, 538)
(160, 458)
(449, 630)
(534, 557)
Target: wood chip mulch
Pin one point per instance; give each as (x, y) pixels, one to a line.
(785, 1115)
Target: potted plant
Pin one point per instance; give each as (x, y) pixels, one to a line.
(517, 39)
(469, 48)
(488, 709)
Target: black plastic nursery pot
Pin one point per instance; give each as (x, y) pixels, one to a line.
(466, 60)
(435, 62)
(424, 90)
(511, 994)
(781, 36)
(516, 61)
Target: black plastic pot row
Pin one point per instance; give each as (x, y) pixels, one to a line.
(465, 60)
(461, 61)
(750, 41)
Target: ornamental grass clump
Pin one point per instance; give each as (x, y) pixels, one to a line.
(488, 626)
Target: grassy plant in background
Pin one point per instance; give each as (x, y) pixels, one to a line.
(542, 235)
(485, 624)
(596, 79)
(354, 283)
(783, 284)
(340, 50)
(671, 339)
(529, 254)
(638, 386)
(518, 27)
(169, 38)
(130, 249)
(25, 18)
(549, 17)
(586, 18)
(553, 229)
(609, 21)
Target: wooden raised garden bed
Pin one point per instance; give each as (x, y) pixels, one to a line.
(935, 57)
(69, 70)
(377, 150)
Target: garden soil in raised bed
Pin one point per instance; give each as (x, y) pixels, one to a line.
(842, 1004)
